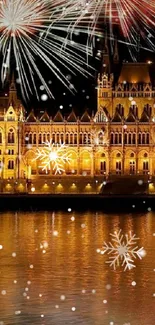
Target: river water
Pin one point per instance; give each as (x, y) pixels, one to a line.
(53, 270)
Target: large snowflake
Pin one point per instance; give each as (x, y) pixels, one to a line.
(123, 251)
(53, 156)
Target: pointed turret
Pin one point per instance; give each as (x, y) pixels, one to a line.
(13, 100)
(106, 66)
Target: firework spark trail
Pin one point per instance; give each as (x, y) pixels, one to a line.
(135, 17)
(25, 33)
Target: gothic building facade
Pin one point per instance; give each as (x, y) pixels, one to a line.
(119, 139)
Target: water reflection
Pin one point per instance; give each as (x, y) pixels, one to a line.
(33, 281)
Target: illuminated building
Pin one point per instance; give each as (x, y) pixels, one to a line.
(118, 139)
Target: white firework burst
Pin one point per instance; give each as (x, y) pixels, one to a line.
(123, 252)
(53, 156)
(32, 30)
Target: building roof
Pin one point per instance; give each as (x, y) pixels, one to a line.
(135, 73)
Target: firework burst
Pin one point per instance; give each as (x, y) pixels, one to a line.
(53, 156)
(135, 17)
(32, 30)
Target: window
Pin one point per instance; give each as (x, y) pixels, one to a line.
(34, 138)
(30, 138)
(62, 138)
(48, 137)
(67, 138)
(0, 137)
(118, 167)
(112, 138)
(10, 152)
(103, 167)
(75, 138)
(132, 167)
(71, 138)
(145, 167)
(44, 137)
(40, 138)
(11, 136)
(118, 155)
(10, 164)
(132, 155)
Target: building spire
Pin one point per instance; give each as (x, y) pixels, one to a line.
(106, 55)
(12, 92)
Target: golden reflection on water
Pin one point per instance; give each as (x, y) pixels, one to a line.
(34, 280)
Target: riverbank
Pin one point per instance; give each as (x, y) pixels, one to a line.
(79, 202)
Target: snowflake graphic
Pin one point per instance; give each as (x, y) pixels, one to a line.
(124, 251)
(53, 155)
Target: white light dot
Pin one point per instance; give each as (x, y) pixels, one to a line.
(93, 291)
(83, 291)
(42, 315)
(62, 297)
(69, 209)
(31, 266)
(105, 301)
(133, 283)
(98, 250)
(14, 254)
(149, 209)
(3, 292)
(17, 312)
(56, 306)
(40, 295)
(73, 308)
(55, 233)
(83, 225)
(72, 218)
(140, 182)
(44, 97)
(28, 282)
(108, 286)
(68, 232)
(15, 281)
(61, 106)
(1, 247)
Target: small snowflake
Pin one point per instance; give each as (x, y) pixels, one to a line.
(124, 251)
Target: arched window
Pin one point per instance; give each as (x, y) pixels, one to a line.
(67, 138)
(34, 138)
(120, 138)
(125, 138)
(30, 138)
(11, 136)
(118, 155)
(10, 164)
(40, 138)
(112, 138)
(0, 137)
(75, 138)
(71, 138)
(139, 138)
(53, 137)
(143, 138)
(134, 138)
(116, 138)
(145, 155)
(80, 139)
(147, 138)
(62, 138)
(57, 138)
(48, 137)
(132, 155)
(44, 137)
